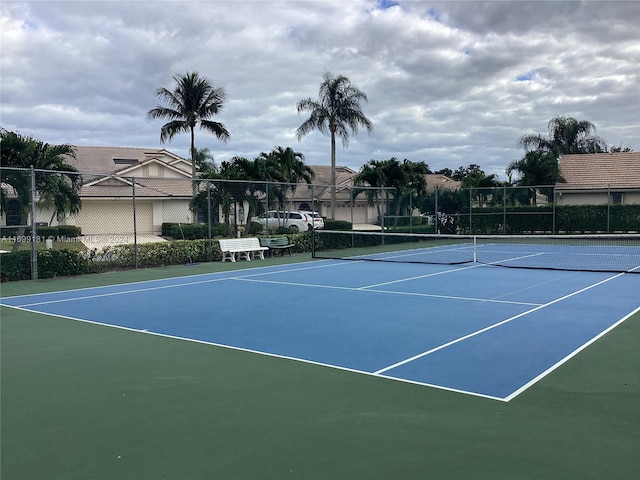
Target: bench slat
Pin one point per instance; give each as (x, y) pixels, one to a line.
(277, 244)
(246, 248)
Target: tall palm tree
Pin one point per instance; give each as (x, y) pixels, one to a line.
(566, 135)
(193, 102)
(58, 187)
(337, 111)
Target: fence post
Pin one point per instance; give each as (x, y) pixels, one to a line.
(470, 210)
(436, 225)
(553, 211)
(608, 208)
(504, 210)
(135, 231)
(210, 242)
(34, 251)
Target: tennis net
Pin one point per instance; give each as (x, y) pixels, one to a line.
(602, 253)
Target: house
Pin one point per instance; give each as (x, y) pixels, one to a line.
(114, 180)
(157, 180)
(318, 196)
(599, 179)
(158, 184)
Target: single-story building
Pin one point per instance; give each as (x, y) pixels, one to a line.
(599, 179)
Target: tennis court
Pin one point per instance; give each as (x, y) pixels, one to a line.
(474, 328)
(336, 369)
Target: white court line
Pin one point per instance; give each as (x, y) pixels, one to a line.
(444, 272)
(567, 358)
(477, 265)
(160, 287)
(388, 292)
(491, 327)
(124, 292)
(257, 352)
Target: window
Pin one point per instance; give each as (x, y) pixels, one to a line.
(125, 161)
(13, 213)
(616, 198)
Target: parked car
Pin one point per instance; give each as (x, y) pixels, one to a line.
(294, 220)
(318, 221)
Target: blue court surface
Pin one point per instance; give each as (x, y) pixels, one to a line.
(475, 329)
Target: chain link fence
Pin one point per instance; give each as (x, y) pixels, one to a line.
(105, 216)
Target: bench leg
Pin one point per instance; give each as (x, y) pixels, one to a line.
(228, 256)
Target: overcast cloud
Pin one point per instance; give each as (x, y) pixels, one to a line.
(449, 83)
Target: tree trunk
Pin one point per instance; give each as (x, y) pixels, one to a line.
(333, 173)
(194, 173)
(20, 233)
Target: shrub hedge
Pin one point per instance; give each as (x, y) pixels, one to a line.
(45, 232)
(51, 263)
(568, 219)
(337, 225)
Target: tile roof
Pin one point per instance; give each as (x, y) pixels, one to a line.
(437, 180)
(106, 160)
(600, 170)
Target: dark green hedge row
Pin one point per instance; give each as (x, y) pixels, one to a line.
(190, 231)
(593, 218)
(55, 263)
(337, 225)
(326, 241)
(568, 219)
(59, 231)
(51, 263)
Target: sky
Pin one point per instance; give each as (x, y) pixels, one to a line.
(449, 83)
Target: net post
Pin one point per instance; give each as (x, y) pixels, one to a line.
(34, 252)
(475, 249)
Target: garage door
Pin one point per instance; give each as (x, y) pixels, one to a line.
(114, 217)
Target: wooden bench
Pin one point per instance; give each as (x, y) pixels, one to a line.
(280, 244)
(245, 248)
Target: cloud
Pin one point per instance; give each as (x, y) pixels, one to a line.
(450, 83)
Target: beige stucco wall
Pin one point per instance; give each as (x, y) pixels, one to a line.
(597, 198)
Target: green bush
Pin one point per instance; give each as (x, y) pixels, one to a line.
(337, 225)
(189, 231)
(63, 263)
(283, 230)
(254, 228)
(45, 232)
(51, 263)
(414, 229)
(69, 231)
(192, 231)
(166, 228)
(153, 254)
(16, 266)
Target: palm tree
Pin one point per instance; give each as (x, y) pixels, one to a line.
(536, 169)
(205, 163)
(291, 169)
(566, 135)
(337, 111)
(193, 102)
(59, 186)
(405, 179)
